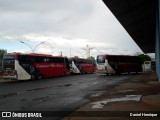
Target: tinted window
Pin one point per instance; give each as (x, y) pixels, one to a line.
(101, 59)
(9, 62)
(9, 56)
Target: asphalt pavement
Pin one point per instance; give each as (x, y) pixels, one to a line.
(137, 98)
(59, 97)
(55, 94)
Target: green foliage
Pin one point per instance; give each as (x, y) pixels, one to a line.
(75, 57)
(1, 57)
(0, 73)
(91, 58)
(144, 57)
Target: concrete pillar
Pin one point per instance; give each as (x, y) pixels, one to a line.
(157, 43)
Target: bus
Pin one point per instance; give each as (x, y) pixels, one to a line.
(147, 66)
(118, 64)
(33, 66)
(81, 65)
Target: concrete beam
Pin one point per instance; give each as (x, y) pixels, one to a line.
(157, 45)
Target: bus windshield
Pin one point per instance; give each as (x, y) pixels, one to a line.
(8, 62)
(101, 59)
(8, 56)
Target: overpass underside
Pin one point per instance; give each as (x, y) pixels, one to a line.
(141, 19)
(157, 50)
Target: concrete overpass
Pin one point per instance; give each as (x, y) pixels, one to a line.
(141, 19)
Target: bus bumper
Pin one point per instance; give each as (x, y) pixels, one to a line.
(10, 77)
(101, 71)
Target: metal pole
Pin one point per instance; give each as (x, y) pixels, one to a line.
(37, 46)
(70, 52)
(28, 46)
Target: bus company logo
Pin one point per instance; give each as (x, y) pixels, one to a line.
(42, 66)
(6, 114)
(49, 65)
(56, 65)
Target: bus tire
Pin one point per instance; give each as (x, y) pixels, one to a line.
(118, 71)
(33, 77)
(63, 73)
(92, 72)
(39, 76)
(83, 72)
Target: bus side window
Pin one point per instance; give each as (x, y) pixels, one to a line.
(46, 60)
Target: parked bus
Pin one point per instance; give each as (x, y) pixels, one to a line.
(33, 66)
(117, 64)
(147, 66)
(81, 66)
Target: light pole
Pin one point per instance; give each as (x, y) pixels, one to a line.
(33, 50)
(28, 46)
(37, 46)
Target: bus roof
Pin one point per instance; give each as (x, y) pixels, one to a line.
(119, 55)
(35, 54)
(80, 58)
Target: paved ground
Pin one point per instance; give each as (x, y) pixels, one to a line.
(100, 97)
(55, 94)
(138, 95)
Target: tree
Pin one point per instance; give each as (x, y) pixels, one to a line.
(144, 57)
(1, 57)
(91, 58)
(75, 57)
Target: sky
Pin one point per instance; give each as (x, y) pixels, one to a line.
(67, 26)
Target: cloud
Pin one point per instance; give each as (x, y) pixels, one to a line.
(64, 25)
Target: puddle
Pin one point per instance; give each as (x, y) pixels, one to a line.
(40, 88)
(8, 95)
(67, 85)
(100, 104)
(124, 91)
(23, 99)
(99, 90)
(95, 82)
(41, 99)
(96, 94)
(84, 86)
(99, 93)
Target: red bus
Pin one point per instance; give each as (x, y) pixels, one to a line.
(117, 64)
(81, 66)
(33, 66)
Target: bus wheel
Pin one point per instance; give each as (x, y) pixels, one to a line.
(63, 73)
(33, 77)
(83, 72)
(107, 74)
(39, 76)
(93, 71)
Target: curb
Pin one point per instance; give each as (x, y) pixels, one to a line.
(152, 99)
(2, 80)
